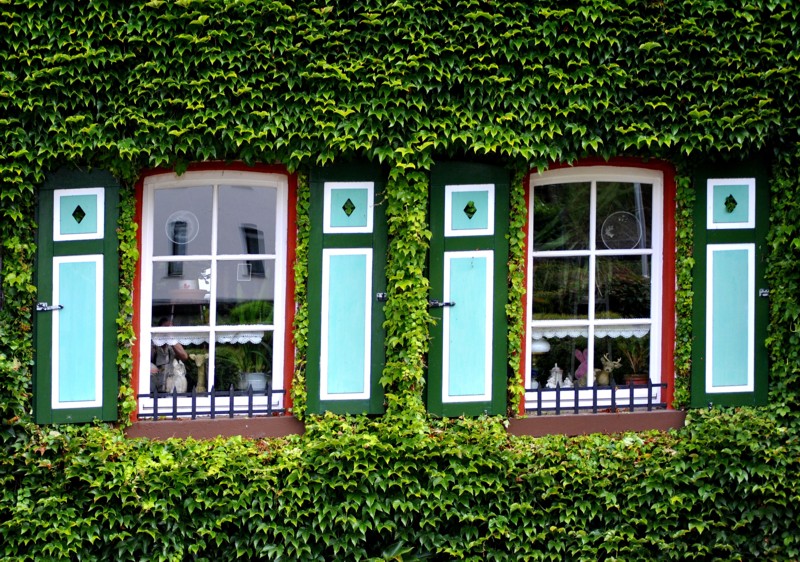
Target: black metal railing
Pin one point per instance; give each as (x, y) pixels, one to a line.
(594, 399)
(212, 404)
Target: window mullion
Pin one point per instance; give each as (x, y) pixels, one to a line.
(592, 279)
(592, 251)
(212, 305)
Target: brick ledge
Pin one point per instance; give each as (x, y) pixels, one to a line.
(584, 424)
(535, 426)
(252, 428)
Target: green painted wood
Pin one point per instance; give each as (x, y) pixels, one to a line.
(47, 249)
(456, 173)
(377, 240)
(757, 168)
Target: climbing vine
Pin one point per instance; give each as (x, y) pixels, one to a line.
(517, 282)
(300, 331)
(407, 317)
(783, 278)
(684, 256)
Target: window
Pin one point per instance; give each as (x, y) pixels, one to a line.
(595, 287)
(213, 292)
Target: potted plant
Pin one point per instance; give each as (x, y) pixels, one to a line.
(637, 352)
(244, 365)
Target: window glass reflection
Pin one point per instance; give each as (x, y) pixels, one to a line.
(182, 299)
(246, 220)
(624, 215)
(561, 216)
(560, 288)
(244, 297)
(182, 221)
(622, 287)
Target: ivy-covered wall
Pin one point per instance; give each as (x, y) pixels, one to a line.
(135, 86)
(131, 86)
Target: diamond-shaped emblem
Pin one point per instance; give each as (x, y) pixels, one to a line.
(78, 214)
(470, 209)
(348, 207)
(730, 203)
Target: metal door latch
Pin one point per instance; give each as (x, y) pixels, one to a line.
(44, 307)
(763, 292)
(381, 297)
(436, 304)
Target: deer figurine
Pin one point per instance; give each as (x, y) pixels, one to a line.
(603, 377)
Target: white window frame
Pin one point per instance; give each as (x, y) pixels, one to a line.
(594, 175)
(278, 328)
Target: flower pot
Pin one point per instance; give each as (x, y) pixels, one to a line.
(257, 380)
(637, 379)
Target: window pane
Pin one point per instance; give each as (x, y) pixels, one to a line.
(624, 355)
(246, 220)
(244, 364)
(561, 216)
(560, 288)
(182, 221)
(622, 287)
(245, 291)
(624, 215)
(567, 350)
(181, 293)
(165, 347)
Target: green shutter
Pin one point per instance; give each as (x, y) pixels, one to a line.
(77, 278)
(731, 300)
(467, 367)
(346, 284)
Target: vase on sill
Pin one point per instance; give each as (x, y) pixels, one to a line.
(257, 380)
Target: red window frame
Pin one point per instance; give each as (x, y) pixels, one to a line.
(291, 257)
(668, 267)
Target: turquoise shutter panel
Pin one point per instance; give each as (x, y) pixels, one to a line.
(77, 279)
(467, 367)
(346, 284)
(731, 305)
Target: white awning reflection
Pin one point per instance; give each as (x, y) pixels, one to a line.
(630, 331)
(194, 338)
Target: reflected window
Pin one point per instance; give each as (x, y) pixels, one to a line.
(253, 239)
(213, 291)
(595, 277)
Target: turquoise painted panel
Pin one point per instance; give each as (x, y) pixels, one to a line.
(476, 203)
(729, 318)
(740, 194)
(77, 331)
(467, 333)
(352, 200)
(84, 221)
(347, 308)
